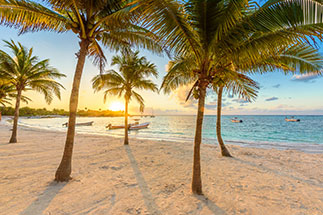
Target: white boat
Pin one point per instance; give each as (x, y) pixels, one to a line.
(139, 126)
(111, 127)
(292, 119)
(81, 124)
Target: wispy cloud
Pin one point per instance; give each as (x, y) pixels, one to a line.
(241, 101)
(305, 77)
(271, 99)
(276, 86)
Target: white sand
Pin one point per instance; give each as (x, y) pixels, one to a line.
(153, 177)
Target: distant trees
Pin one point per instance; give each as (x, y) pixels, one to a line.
(26, 72)
(133, 75)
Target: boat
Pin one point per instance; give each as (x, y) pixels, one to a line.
(139, 126)
(111, 127)
(292, 119)
(81, 124)
(236, 120)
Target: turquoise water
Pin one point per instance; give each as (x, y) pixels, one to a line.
(255, 131)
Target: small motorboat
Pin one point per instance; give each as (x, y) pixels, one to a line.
(236, 120)
(111, 127)
(81, 124)
(139, 126)
(292, 119)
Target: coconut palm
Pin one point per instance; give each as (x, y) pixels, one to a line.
(26, 72)
(96, 23)
(209, 36)
(134, 71)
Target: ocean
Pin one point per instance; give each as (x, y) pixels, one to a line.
(255, 131)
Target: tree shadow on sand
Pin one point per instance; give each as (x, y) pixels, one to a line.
(214, 209)
(266, 169)
(38, 206)
(147, 196)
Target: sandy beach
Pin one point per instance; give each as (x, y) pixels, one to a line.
(153, 177)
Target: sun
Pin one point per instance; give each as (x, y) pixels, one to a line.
(116, 106)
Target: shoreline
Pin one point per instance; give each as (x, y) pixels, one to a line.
(311, 148)
(153, 177)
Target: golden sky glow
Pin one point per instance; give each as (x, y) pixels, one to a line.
(116, 106)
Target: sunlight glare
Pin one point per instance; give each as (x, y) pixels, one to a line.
(116, 106)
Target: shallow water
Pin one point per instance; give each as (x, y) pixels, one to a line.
(255, 131)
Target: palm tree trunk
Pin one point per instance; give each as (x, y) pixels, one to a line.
(65, 168)
(13, 138)
(126, 141)
(224, 151)
(196, 179)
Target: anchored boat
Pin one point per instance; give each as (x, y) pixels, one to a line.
(292, 119)
(236, 120)
(81, 124)
(139, 126)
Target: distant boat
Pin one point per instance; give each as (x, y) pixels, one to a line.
(81, 124)
(292, 119)
(139, 126)
(236, 120)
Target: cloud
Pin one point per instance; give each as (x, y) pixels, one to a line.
(241, 101)
(271, 99)
(276, 86)
(305, 78)
(180, 95)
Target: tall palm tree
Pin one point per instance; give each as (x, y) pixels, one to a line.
(105, 22)
(134, 71)
(26, 72)
(208, 36)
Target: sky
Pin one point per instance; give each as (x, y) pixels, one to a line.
(279, 94)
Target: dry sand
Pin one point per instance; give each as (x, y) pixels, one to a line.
(153, 177)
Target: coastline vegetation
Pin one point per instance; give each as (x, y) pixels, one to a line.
(27, 111)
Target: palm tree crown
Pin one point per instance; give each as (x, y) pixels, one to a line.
(134, 71)
(106, 22)
(26, 72)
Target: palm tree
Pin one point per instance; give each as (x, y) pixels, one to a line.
(25, 72)
(209, 36)
(105, 22)
(134, 71)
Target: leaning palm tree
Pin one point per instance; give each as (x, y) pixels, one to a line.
(209, 36)
(134, 71)
(26, 72)
(96, 23)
